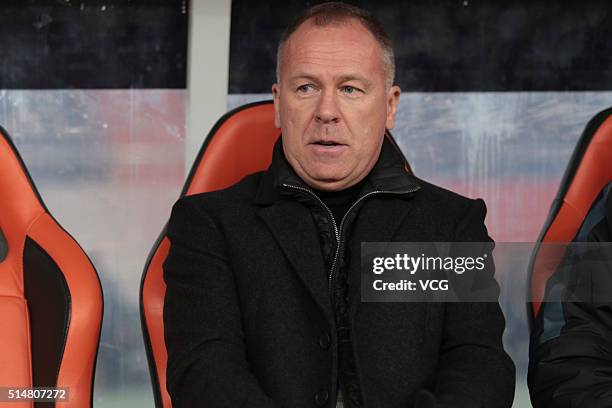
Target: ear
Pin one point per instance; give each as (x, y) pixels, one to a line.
(393, 96)
(276, 97)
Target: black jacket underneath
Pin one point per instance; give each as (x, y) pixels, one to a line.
(339, 203)
(249, 321)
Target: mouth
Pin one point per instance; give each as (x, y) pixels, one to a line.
(327, 143)
(328, 149)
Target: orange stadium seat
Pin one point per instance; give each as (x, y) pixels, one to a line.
(239, 144)
(50, 295)
(588, 172)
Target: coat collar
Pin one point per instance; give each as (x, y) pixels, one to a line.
(391, 173)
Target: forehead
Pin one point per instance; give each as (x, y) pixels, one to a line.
(336, 49)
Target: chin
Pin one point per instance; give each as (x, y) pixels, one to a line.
(327, 177)
(329, 184)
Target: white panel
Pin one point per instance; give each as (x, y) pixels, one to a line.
(207, 73)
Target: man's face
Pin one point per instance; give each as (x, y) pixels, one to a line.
(333, 103)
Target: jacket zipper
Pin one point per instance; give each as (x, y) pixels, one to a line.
(338, 231)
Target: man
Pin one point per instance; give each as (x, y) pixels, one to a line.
(263, 302)
(571, 338)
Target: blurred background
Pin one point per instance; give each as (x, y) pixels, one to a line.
(109, 101)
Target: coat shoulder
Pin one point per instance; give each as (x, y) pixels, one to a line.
(230, 201)
(443, 201)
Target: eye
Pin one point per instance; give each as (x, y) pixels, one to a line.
(305, 89)
(350, 90)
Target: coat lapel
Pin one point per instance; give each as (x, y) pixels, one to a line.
(380, 217)
(293, 228)
(378, 221)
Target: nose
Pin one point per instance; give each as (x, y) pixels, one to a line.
(327, 109)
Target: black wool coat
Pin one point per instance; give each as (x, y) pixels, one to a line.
(249, 322)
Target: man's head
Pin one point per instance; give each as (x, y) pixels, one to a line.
(334, 95)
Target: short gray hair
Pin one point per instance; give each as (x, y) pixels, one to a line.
(335, 13)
